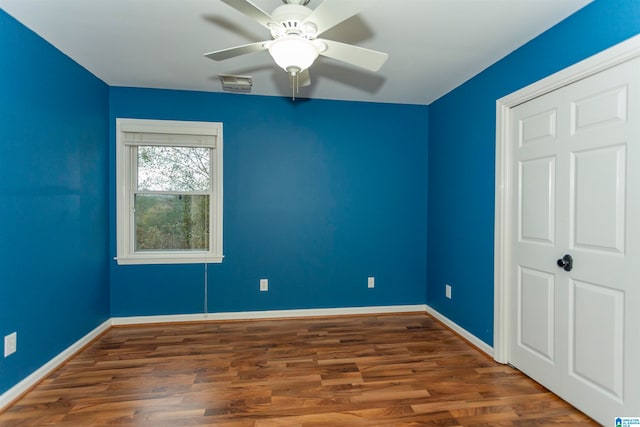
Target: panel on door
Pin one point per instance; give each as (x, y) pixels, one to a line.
(597, 335)
(599, 109)
(536, 327)
(537, 127)
(537, 200)
(599, 202)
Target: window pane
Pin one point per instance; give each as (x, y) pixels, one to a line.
(171, 222)
(173, 168)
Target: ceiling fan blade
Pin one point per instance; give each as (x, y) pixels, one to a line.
(365, 58)
(304, 79)
(251, 10)
(220, 55)
(332, 12)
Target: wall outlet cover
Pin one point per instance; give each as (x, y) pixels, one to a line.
(371, 282)
(10, 344)
(447, 291)
(264, 285)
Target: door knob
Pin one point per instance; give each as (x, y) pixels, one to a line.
(566, 262)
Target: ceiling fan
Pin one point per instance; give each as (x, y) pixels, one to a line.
(295, 29)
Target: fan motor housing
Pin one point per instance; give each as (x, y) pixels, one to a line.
(290, 18)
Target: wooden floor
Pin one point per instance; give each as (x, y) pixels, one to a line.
(389, 370)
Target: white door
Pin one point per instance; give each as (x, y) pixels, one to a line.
(577, 193)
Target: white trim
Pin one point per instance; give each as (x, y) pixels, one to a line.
(481, 345)
(611, 57)
(8, 397)
(179, 258)
(168, 126)
(269, 314)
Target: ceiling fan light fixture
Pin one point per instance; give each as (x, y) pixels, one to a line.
(293, 53)
(294, 29)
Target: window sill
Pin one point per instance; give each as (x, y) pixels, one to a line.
(168, 259)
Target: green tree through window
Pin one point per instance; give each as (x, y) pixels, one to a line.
(171, 204)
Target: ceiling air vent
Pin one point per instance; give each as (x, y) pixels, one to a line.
(232, 83)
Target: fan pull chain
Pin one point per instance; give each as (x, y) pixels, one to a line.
(294, 83)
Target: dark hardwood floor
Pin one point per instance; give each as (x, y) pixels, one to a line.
(388, 370)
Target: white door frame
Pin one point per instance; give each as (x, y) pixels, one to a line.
(504, 194)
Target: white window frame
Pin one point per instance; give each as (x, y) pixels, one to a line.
(126, 166)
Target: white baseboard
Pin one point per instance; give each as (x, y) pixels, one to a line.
(8, 397)
(269, 314)
(461, 331)
(23, 386)
(314, 312)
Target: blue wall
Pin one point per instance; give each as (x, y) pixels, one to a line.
(318, 195)
(462, 157)
(53, 200)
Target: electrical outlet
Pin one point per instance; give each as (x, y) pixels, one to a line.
(447, 291)
(264, 285)
(10, 344)
(371, 282)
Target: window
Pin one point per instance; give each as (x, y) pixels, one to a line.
(169, 191)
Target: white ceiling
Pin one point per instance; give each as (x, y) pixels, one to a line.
(433, 45)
